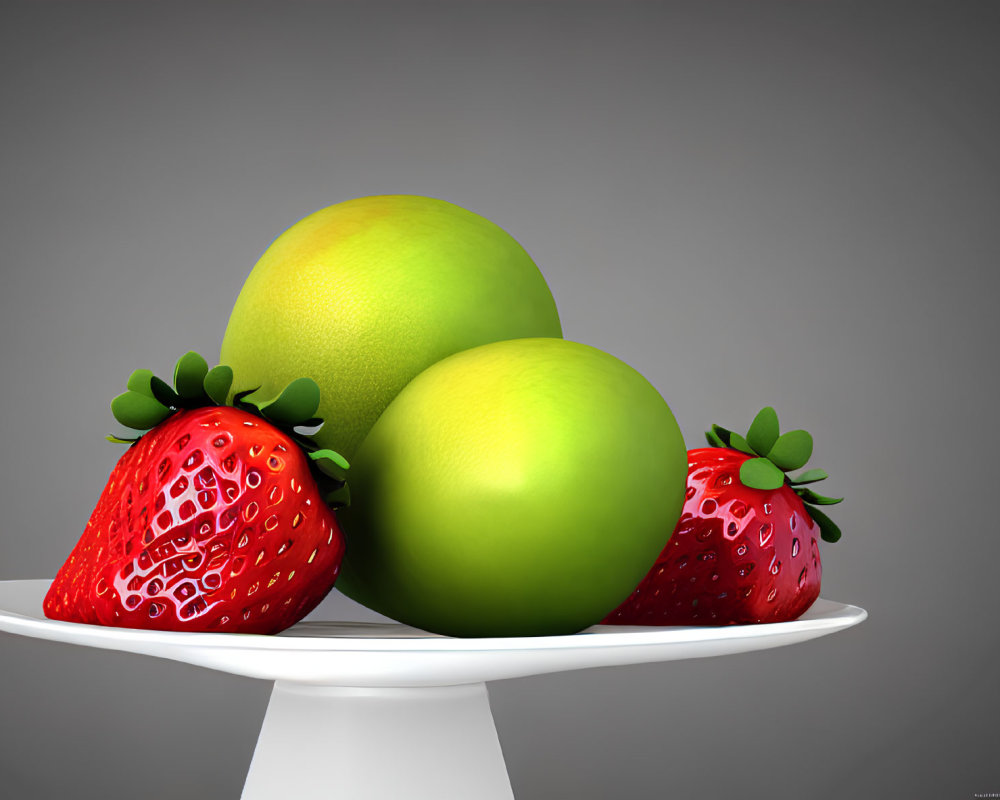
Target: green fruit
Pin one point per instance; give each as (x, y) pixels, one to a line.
(364, 295)
(519, 488)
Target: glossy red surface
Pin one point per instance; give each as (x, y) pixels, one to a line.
(210, 522)
(738, 555)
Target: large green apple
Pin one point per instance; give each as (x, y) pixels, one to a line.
(518, 488)
(363, 295)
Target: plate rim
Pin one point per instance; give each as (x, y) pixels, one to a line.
(826, 615)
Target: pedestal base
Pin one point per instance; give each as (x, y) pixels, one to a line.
(428, 743)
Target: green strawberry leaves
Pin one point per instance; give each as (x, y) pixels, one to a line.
(809, 476)
(217, 383)
(763, 431)
(714, 439)
(773, 455)
(138, 411)
(759, 473)
(189, 376)
(139, 380)
(144, 382)
(728, 439)
(164, 394)
(828, 530)
(332, 467)
(741, 444)
(297, 403)
(791, 450)
(718, 436)
(817, 499)
(330, 462)
(294, 407)
(148, 401)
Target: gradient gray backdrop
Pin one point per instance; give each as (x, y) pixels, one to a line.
(752, 203)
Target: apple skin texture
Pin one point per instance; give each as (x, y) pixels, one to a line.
(520, 488)
(364, 295)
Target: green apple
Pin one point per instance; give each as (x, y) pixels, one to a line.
(363, 295)
(518, 488)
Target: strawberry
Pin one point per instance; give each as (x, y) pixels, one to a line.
(215, 519)
(745, 548)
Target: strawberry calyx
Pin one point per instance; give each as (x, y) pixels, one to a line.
(149, 400)
(773, 456)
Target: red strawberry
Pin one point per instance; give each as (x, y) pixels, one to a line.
(745, 549)
(211, 521)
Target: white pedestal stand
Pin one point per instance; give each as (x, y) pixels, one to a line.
(431, 742)
(379, 711)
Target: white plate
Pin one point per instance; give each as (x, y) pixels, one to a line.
(386, 654)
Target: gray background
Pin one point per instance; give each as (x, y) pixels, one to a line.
(751, 203)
